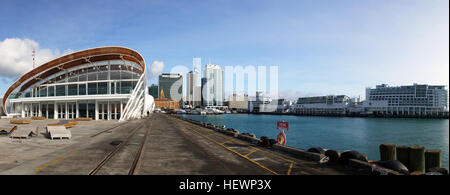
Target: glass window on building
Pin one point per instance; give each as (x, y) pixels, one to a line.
(103, 88)
(73, 89)
(51, 91)
(115, 75)
(125, 87)
(82, 77)
(73, 77)
(42, 91)
(28, 93)
(60, 90)
(91, 110)
(82, 110)
(92, 76)
(82, 89)
(92, 89)
(102, 76)
(125, 75)
(113, 88)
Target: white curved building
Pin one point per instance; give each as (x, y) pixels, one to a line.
(106, 83)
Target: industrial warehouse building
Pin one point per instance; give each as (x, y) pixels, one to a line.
(106, 83)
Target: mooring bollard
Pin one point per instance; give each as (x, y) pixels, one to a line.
(432, 159)
(403, 155)
(416, 159)
(387, 151)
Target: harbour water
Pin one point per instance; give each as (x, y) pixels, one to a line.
(343, 133)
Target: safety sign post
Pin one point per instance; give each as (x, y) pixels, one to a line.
(281, 137)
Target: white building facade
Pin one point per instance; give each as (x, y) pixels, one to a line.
(322, 105)
(212, 86)
(106, 83)
(411, 100)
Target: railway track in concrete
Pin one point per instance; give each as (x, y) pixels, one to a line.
(146, 125)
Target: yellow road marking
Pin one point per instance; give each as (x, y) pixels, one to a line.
(290, 168)
(37, 169)
(227, 141)
(248, 154)
(254, 162)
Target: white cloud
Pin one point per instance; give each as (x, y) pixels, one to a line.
(156, 68)
(16, 56)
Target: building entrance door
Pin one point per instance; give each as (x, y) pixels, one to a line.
(71, 110)
(103, 110)
(61, 110)
(115, 110)
(35, 109)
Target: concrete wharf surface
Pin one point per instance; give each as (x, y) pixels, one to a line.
(164, 145)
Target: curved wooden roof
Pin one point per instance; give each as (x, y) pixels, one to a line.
(73, 60)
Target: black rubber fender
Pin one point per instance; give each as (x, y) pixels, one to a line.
(318, 150)
(351, 154)
(334, 155)
(393, 165)
(272, 142)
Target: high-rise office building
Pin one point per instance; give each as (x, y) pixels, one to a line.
(193, 89)
(171, 87)
(154, 91)
(212, 86)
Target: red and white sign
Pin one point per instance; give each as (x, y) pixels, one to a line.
(282, 125)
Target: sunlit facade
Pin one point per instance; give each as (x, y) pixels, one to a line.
(95, 83)
(409, 100)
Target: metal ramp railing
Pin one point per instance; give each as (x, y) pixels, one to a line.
(135, 105)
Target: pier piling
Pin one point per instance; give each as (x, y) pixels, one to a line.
(403, 155)
(416, 159)
(432, 159)
(387, 151)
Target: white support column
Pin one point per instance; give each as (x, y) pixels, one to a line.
(22, 110)
(115, 111)
(96, 110)
(31, 110)
(121, 108)
(39, 111)
(108, 112)
(55, 108)
(67, 112)
(77, 112)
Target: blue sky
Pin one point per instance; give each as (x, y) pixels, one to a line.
(321, 47)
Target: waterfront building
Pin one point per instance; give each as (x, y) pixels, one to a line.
(154, 91)
(171, 86)
(238, 102)
(101, 83)
(322, 105)
(167, 104)
(212, 86)
(257, 103)
(193, 98)
(410, 100)
(276, 106)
